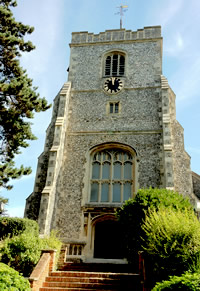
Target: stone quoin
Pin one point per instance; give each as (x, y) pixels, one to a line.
(113, 130)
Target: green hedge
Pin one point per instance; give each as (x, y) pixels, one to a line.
(10, 226)
(171, 242)
(21, 252)
(10, 280)
(133, 212)
(186, 282)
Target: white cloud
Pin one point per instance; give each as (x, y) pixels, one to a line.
(15, 211)
(179, 41)
(175, 45)
(168, 11)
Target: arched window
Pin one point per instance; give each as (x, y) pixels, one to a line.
(114, 64)
(112, 177)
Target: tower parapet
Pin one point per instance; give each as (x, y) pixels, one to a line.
(149, 32)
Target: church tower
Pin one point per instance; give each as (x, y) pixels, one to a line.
(113, 131)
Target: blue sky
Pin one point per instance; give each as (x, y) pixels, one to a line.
(54, 21)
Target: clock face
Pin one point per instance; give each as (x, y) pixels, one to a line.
(113, 85)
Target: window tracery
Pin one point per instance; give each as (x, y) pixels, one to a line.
(112, 176)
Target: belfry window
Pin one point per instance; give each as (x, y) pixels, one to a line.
(112, 176)
(114, 65)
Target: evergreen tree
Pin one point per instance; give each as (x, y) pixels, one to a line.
(18, 98)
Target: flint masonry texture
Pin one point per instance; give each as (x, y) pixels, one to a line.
(80, 121)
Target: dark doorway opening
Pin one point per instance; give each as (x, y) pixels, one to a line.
(107, 241)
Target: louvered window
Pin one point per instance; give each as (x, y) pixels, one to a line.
(112, 176)
(114, 65)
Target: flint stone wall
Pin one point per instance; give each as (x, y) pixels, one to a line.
(33, 201)
(70, 187)
(146, 122)
(182, 171)
(140, 110)
(196, 184)
(138, 124)
(143, 64)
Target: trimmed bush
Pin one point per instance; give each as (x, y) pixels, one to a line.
(171, 242)
(10, 280)
(132, 215)
(21, 252)
(10, 226)
(186, 282)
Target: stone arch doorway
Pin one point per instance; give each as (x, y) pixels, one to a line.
(107, 240)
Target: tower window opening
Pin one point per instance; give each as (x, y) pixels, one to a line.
(114, 107)
(114, 65)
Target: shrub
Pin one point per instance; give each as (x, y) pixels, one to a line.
(171, 242)
(133, 212)
(10, 280)
(154, 198)
(186, 282)
(52, 242)
(22, 252)
(10, 226)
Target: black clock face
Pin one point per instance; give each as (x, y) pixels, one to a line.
(113, 85)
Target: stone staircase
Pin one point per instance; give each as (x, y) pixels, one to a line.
(91, 277)
(86, 276)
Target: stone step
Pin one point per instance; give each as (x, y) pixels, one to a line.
(81, 279)
(80, 289)
(64, 289)
(72, 280)
(91, 286)
(124, 288)
(91, 274)
(99, 267)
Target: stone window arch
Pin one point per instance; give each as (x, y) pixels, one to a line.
(114, 64)
(112, 175)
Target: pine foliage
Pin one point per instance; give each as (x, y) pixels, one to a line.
(18, 98)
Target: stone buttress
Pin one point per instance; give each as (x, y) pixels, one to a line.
(113, 131)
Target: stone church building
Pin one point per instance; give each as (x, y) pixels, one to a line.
(113, 130)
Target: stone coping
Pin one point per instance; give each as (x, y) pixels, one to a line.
(150, 32)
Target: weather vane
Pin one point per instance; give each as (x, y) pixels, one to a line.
(122, 9)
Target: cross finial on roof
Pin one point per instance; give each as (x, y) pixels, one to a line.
(122, 9)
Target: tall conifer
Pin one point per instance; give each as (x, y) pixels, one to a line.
(18, 98)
